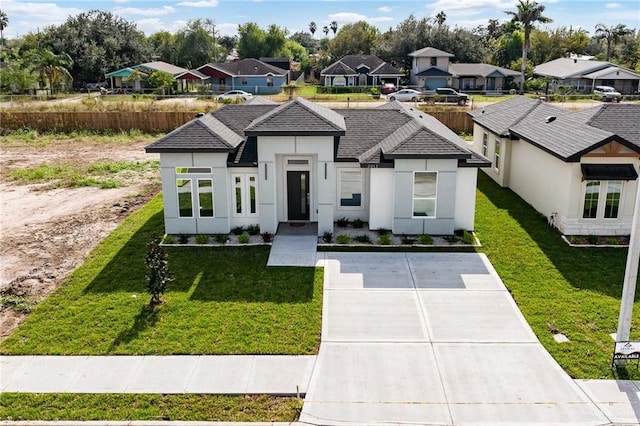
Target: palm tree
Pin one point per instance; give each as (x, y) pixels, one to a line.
(312, 28)
(50, 66)
(612, 35)
(4, 21)
(334, 27)
(529, 12)
(440, 18)
(325, 30)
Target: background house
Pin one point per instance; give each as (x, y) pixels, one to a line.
(484, 78)
(585, 74)
(122, 78)
(250, 75)
(360, 70)
(262, 163)
(578, 168)
(430, 68)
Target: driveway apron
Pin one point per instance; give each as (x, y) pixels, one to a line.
(432, 338)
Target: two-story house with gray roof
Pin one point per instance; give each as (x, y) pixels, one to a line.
(264, 163)
(578, 168)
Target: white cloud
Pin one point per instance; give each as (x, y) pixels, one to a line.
(202, 3)
(227, 29)
(122, 1)
(384, 9)
(153, 25)
(350, 17)
(470, 7)
(25, 17)
(613, 5)
(151, 11)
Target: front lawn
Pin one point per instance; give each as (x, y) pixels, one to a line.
(574, 291)
(223, 301)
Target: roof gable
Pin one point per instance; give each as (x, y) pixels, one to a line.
(349, 63)
(162, 66)
(246, 67)
(569, 67)
(427, 52)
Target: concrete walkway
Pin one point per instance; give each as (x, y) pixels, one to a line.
(294, 245)
(432, 338)
(237, 374)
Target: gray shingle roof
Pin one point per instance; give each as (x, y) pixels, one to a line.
(621, 119)
(348, 64)
(260, 100)
(430, 52)
(569, 67)
(299, 117)
(246, 67)
(338, 68)
(480, 69)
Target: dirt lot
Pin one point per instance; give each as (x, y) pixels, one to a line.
(46, 233)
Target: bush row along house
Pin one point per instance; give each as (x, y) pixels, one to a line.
(578, 168)
(263, 163)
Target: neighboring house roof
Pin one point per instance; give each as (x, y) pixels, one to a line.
(563, 68)
(565, 134)
(484, 70)
(613, 73)
(260, 100)
(245, 67)
(162, 66)
(124, 72)
(429, 52)
(348, 65)
(433, 72)
(371, 136)
(191, 75)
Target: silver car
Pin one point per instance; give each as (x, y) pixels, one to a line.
(608, 93)
(235, 95)
(405, 95)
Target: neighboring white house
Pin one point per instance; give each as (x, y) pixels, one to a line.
(430, 68)
(579, 168)
(263, 163)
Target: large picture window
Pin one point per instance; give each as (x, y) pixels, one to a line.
(185, 200)
(350, 188)
(245, 195)
(612, 202)
(205, 197)
(424, 194)
(592, 192)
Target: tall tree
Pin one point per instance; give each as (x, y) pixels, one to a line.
(334, 27)
(528, 13)
(164, 46)
(54, 68)
(441, 17)
(195, 44)
(325, 30)
(4, 22)
(312, 28)
(611, 35)
(251, 40)
(359, 38)
(275, 40)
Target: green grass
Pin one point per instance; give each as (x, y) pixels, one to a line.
(575, 291)
(82, 138)
(101, 174)
(223, 301)
(157, 408)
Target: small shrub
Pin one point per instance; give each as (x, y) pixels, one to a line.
(384, 240)
(17, 303)
(362, 238)
(267, 237)
(244, 239)
(612, 241)
(383, 231)
(408, 239)
(327, 237)
(468, 238)
(253, 229)
(357, 223)
(451, 238)
(343, 222)
(343, 239)
(238, 230)
(169, 239)
(183, 238)
(592, 239)
(425, 240)
(159, 273)
(220, 238)
(202, 238)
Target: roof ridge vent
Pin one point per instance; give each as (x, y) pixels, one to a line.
(550, 119)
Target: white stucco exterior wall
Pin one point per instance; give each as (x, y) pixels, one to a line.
(465, 196)
(381, 205)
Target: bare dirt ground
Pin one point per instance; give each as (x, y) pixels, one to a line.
(46, 233)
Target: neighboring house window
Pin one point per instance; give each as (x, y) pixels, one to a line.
(350, 188)
(434, 62)
(270, 81)
(612, 202)
(185, 200)
(244, 81)
(245, 195)
(205, 197)
(592, 192)
(496, 155)
(485, 144)
(424, 194)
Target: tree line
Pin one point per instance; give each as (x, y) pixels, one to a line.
(91, 44)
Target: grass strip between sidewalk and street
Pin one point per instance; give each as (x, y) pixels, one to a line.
(149, 407)
(558, 288)
(223, 301)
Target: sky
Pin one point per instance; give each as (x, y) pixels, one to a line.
(152, 16)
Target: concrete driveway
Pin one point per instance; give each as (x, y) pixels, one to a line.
(432, 338)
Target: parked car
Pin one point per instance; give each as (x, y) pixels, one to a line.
(91, 87)
(446, 94)
(405, 95)
(608, 93)
(388, 88)
(235, 95)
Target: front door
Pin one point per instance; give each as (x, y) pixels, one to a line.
(298, 195)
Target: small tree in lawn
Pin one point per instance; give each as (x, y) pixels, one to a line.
(159, 274)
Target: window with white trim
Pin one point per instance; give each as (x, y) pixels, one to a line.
(425, 186)
(496, 155)
(485, 144)
(350, 189)
(245, 195)
(185, 199)
(205, 197)
(591, 195)
(612, 200)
